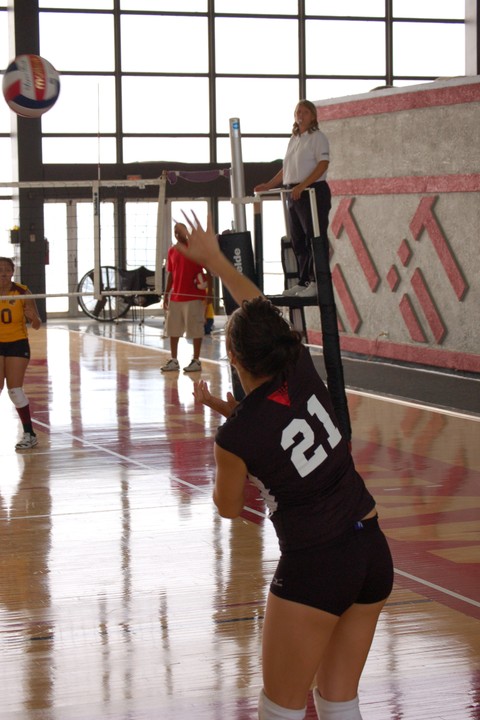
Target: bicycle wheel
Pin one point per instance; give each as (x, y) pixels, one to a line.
(109, 307)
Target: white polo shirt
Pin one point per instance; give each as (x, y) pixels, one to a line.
(304, 152)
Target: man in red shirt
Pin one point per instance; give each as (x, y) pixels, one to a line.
(184, 303)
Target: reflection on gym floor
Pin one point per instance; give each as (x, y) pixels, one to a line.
(124, 595)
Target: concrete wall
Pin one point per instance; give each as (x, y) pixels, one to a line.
(405, 222)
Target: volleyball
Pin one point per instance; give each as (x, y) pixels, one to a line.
(31, 86)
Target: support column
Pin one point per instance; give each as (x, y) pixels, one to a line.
(27, 159)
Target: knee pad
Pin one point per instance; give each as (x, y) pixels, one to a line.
(268, 710)
(18, 397)
(336, 710)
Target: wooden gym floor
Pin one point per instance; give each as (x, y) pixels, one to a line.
(122, 594)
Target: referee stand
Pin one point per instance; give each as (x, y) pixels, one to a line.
(325, 301)
(238, 249)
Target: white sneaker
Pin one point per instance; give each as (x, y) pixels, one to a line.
(309, 290)
(290, 292)
(28, 441)
(195, 366)
(170, 366)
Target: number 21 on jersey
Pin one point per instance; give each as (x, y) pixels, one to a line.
(300, 427)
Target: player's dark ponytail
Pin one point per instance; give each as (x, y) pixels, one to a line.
(261, 339)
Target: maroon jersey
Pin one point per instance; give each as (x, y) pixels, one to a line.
(287, 434)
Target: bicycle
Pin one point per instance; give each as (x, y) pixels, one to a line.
(111, 307)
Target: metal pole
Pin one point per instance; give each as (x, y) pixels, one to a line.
(237, 180)
(258, 237)
(97, 273)
(160, 250)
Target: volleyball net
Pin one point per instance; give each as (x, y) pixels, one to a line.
(99, 246)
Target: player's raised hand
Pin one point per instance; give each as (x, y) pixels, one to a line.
(202, 245)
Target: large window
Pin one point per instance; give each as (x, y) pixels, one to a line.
(160, 79)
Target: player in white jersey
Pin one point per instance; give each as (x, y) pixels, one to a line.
(335, 571)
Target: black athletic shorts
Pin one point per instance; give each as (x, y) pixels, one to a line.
(354, 568)
(17, 348)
